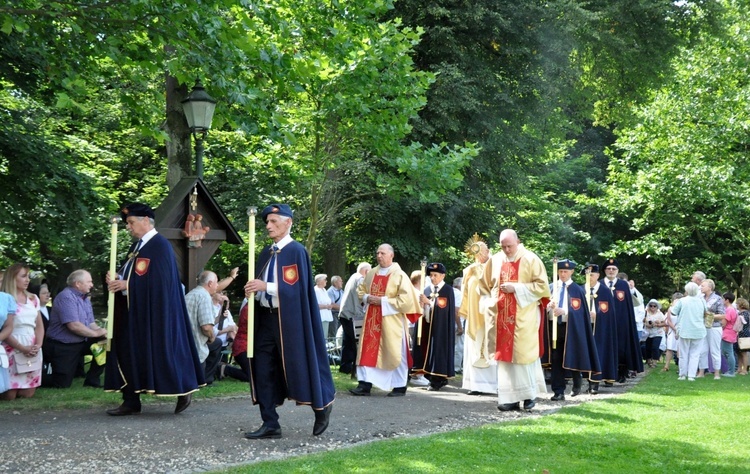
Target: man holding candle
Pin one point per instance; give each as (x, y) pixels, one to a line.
(152, 346)
(575, 350)
(290, 360)
(515, 290)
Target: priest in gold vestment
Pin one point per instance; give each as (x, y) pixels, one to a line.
(480, 368)
(383, 357)
(515, 292)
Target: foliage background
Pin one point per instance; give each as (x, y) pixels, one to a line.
(593, 128)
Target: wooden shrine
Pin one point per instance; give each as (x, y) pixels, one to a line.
(195, 225)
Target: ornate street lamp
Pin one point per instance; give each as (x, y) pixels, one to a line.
(199, 111)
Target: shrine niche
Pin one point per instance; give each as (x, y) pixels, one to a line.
(192, 221)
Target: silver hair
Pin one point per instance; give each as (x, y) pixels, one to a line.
(207, 277)
(691, 289)
(75, 277)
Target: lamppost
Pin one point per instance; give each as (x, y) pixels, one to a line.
(199, 111)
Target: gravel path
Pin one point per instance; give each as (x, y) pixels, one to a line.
(208, 435)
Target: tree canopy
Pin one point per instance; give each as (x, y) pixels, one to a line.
(593, 128)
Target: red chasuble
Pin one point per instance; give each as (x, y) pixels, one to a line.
(372, 331)
(506, 313)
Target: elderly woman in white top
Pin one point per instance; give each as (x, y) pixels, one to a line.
(690, 330)
(715, 304)
(324, 301)
(653, 325)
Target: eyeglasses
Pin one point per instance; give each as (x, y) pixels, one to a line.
(652, 306)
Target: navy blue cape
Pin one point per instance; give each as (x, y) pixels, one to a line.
(580, 352)
(304, 354)
(152, 345)
(628, 339)
(605, 334)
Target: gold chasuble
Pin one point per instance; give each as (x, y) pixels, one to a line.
(516, 315)
(382, 338)
(476, 328)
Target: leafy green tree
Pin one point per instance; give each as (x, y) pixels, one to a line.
(679, 174)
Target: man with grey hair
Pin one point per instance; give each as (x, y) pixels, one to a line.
(200, 308)
(698, 277)
(513, 285)
(336, 293)
(152, 345)
(71, 332)
(352, 312)
(389, 299)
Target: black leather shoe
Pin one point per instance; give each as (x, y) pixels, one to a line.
(321, 420)
(264, 432)
(608, 384)
(123, 410)
(622, 379)
(576, 391)
(434, 388)
(183, 401)
(558, 397)
(528, 404)
(361, 390)
(509, 406)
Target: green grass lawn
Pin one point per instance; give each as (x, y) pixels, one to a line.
(661, 426)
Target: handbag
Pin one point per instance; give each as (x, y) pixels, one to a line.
(26, 364)
(708, 318)
(744, 343)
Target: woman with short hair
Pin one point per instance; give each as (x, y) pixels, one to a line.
(690, 330)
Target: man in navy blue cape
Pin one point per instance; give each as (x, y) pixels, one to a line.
(152, 345)
(290, 359)
(575, 351)
(628, 340)
(602, 304)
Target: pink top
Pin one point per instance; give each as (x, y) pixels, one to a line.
(727, 333)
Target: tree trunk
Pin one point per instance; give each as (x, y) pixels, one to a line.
(179, 154)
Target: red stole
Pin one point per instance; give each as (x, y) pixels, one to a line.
(506, 313)
(373, 328)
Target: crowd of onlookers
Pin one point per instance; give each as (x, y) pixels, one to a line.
(700, 330)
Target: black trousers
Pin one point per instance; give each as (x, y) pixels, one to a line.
(211, 364)
(558, 382)
(64, 359)
(243, 372)
(268, 374)
(348, 346)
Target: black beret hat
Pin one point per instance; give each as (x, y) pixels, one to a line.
(594, 268)
(436, 268)
(137, 209)
(278, 209)
(610, 262)
(566, 264)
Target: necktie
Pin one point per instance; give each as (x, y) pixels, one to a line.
(611, 286)
(131, 257)
(271, 267)
(562, 296)
(591, 300)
